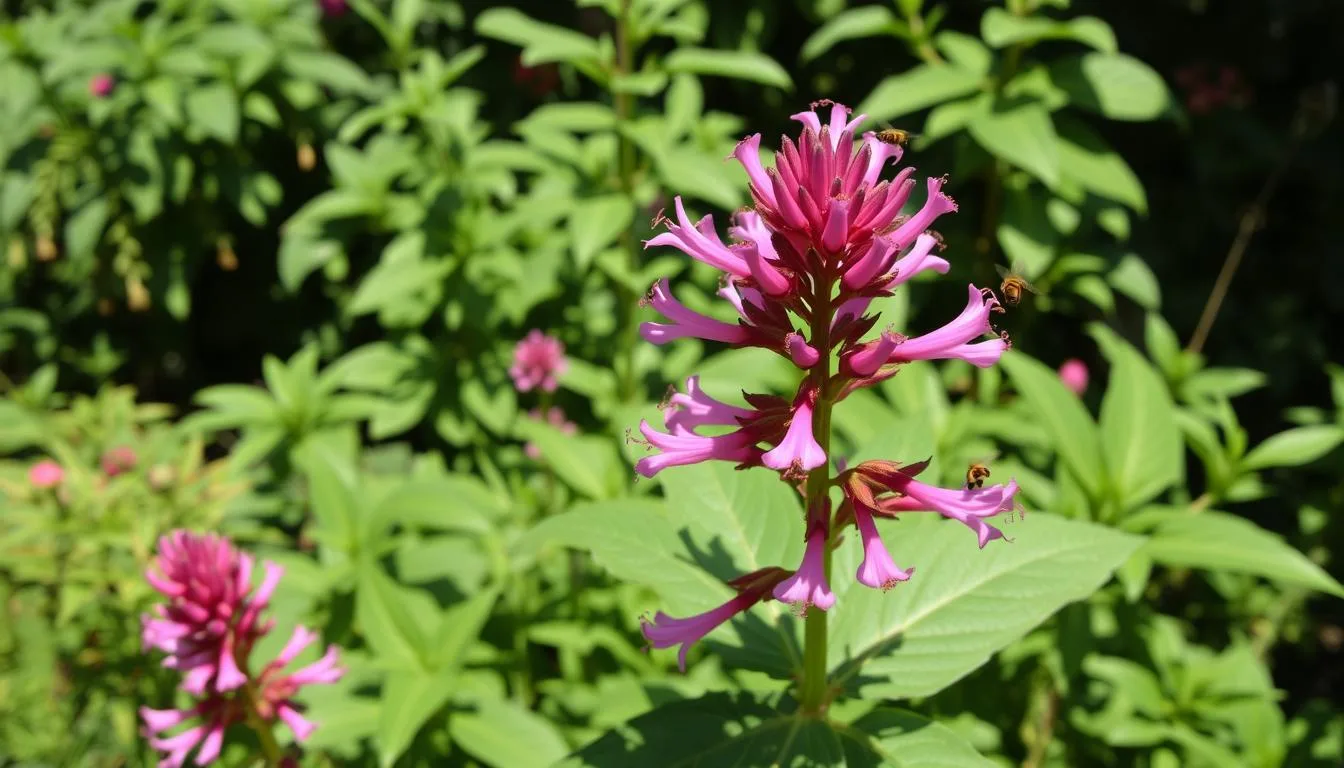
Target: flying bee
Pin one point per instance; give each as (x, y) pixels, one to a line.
(895, 136)
(1014, 284)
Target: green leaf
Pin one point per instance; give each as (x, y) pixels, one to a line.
(409, 700)
(331, 70)
(1223, 542)
(896, 644)
(459, 627)
(1022, 135)
(389, 620)
(213, 108)
(1062, 416)
(85, 228)
(1139, 437)
(455, 503)
(595, 223)
(851, 24)
(502, 734)
(723, 730)
(541, 42)
(739, 65)
(590, 465)
(1133, 278)
(1087, 159)
(1000, 29)
(331, 490)
(1113, 84)
(921, 87)
(1294, 447)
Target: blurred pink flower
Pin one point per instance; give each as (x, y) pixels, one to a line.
(45, 474)
(1074, 375)
(119, 460)
(1206, 91)
(208, 629)
(211, 617)
(537, 360)
(540, 80)
(556, 418)
(101, 85)
(333, 8)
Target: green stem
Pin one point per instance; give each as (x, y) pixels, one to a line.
(626, 169)
(270, 748)
(814, 691)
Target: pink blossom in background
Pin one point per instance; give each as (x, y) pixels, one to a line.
(208, 627)
(119, 460)
(540, 80)
(332, 8)
(556, 418)
(1073, 373)
(824, 237)
(537, 362)
(101, 85)
(45, 474)
(1207, 91)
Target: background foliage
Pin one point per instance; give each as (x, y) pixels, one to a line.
(282, 252)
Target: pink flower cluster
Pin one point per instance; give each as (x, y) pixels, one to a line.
(825, 237)
(208, 627)
(538, 361)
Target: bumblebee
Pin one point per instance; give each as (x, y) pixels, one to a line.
(1014, 285)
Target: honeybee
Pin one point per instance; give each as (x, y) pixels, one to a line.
(976, 474)
(895, 136)
(1014, 284)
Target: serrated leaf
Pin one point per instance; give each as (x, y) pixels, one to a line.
(963, 604)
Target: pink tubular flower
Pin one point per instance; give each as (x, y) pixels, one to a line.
(211, 617)
(665, 632)
(824, 237)
(877, 570)
(807, 586)
(537, 362)
(1073, 373)
(209, 627)
(45, 474)
(101, 85)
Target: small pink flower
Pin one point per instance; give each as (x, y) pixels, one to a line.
(877, 570)
(556, 418)
(278, 689)
(332, 8)
(683, 413)
(954, 339)
(214, 714)
(101, 85)
(684, 448)
(119, 460)
(799, 449)
(537, 362)
(1073, 373)
(685, 321)
(969, 506)
(45, 474)
(807, 586)
(665, 631)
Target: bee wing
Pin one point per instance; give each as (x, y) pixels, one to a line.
(1003, 271)
(1031, 287)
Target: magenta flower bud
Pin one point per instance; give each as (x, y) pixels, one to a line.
(538, 361)
(867, 358)
(873, 263)
(836, 231)
(877, 570)
(101, 85)
(1073, 373)
(119, 460)
(803, 354)
(332, 8)
(807, 586)
(45, 474)
(766, 274)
